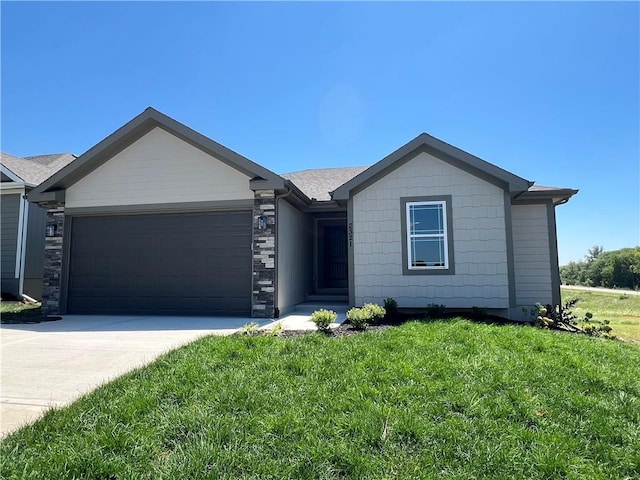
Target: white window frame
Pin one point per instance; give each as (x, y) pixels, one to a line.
(443, 235)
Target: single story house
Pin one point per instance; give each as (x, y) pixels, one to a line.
(159, 219)
(22, 223)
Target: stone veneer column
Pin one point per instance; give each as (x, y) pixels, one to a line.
(264, 255)
(52, 275)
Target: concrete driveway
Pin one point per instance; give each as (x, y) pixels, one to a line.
(52, 363)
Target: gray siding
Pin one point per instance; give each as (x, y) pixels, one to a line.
(9, 216)
(295, 251)
(178, 171)
(479, 239)
(532, 256)
(34, 261)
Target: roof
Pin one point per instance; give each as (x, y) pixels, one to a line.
(557, 195)
(36, 169)
(444, 151)
(318, 183)
(132, 131)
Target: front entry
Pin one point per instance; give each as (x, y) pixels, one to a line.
(332, 256)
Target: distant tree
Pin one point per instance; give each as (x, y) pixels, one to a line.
(573, 273)
(594, 252)
(616, 269)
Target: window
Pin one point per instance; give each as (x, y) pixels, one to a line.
(427, 234)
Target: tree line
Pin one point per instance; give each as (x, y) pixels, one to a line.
(616, 269)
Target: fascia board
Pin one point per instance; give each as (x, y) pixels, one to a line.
(136, 129)
(442, 150)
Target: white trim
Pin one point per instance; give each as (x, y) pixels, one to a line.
(14, 178)
(23, 255)
(443, 235)
(20, 235)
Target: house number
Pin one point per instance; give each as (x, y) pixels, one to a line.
(351, 234)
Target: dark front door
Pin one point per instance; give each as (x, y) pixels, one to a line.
(333, 256)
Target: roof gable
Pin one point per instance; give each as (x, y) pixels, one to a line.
(35, 169)
(133, 131)
(441, 150)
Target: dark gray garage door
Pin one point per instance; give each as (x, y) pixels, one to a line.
(178, 264)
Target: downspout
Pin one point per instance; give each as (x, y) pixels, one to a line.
(20, 236)
(276, 310)
(23, 247)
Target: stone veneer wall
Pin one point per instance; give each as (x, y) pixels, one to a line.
(264, 255)
(51, 279)
(263, 276)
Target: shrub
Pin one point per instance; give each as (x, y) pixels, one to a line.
(375, 311)
(478, 313)
(323, 318)
(359, 318)
(561, 317)
(250, 328)
(277, 329)
(435, 311)
(391, 307)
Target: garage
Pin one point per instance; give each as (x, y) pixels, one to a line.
(161, 264)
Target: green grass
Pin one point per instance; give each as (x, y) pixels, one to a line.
(18, 312)
(623, 311)
(450, 399)
(18, 307)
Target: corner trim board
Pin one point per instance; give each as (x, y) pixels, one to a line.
(553, 254)
(511, 271)
(350, 256)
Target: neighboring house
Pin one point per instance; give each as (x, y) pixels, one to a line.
(159, 219)
(22, 223)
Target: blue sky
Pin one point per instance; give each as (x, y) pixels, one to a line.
(548, 91)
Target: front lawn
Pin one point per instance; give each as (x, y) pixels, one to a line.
(445, 399)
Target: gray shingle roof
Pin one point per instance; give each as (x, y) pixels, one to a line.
(317, 183)
(36, 169)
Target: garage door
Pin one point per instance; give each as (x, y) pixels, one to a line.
(178, 264)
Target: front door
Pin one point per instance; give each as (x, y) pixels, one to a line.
(332, 255)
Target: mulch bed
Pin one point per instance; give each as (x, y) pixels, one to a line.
(346, 329)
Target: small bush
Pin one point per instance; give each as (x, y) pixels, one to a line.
(561, 317)
(375, 311)
(277, 329)
(478, 313)
(359, 318)
(391, 307)
(250, 329)
(323, 318)
(435, 311)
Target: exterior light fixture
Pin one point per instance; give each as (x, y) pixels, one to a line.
(50, 230)
(262, 222)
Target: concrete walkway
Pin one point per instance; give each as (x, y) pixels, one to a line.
(52, 363)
